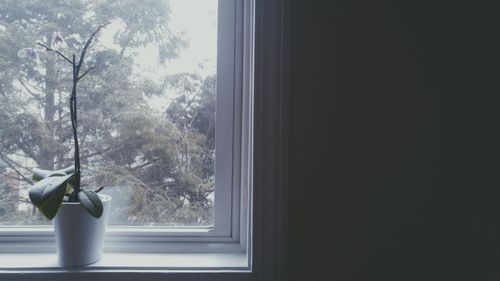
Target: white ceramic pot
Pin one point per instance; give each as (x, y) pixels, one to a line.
(79, 235)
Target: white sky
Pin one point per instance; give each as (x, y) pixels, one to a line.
(197, 21)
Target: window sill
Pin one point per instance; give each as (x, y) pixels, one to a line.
(121, 266)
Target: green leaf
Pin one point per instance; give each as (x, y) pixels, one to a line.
(39, 174)
(48, 193)
(70, 185)
(42, 190)
(91, 202)
(67, 170)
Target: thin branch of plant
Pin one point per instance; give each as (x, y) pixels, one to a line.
(55, 51)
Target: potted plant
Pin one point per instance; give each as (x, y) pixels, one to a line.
(79, 214)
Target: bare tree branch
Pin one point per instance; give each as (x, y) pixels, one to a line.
(28, 151)
(87, 71)
(99, 152)
(11, 163)
(140, 166)
(55, 51)
(87, 44)
(32, 94)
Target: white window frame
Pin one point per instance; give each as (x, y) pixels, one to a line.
(259, 234)
(230, 190)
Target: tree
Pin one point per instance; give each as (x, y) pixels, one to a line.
(8, 195)
(165, 163)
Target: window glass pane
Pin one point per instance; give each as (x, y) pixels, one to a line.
(146, 113)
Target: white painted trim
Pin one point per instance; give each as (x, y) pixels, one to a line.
(246, 177)
(127, 261)
(229, 154)
(209, 266)
(227, 140)
(133, 275)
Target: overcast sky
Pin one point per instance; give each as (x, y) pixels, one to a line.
(197, 20)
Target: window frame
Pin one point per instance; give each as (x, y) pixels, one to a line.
(229, 187)
(268, 172)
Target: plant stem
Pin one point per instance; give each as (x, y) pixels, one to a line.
(72, 103)
(73, 112)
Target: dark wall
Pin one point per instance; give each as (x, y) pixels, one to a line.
(395, 140)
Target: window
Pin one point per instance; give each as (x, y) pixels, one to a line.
(147, 111)
(148, 130)
(240, 232)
